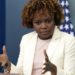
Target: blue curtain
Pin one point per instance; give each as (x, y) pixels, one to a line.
(2, 23)
(2, 27)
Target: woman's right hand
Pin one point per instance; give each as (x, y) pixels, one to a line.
(49, 66)
(4, 61)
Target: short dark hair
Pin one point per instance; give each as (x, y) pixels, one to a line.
(32, 6)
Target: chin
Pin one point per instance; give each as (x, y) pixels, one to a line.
(45, 37)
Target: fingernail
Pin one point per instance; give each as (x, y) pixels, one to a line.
(3, 46)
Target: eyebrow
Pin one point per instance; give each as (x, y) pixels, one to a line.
(47, 18)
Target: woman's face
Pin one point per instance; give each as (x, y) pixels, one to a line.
(43, 24)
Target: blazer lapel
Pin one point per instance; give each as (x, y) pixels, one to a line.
(29, 55)
(52, 48)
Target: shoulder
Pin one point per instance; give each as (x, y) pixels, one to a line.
(27, 37)
(67, 36)
(68, 39)
(68, 42)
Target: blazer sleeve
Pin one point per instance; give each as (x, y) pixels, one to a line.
(69, 59)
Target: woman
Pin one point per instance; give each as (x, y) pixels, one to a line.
(47, 50)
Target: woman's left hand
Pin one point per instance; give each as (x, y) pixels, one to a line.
(48, 66)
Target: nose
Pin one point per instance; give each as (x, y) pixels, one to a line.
(43, 25)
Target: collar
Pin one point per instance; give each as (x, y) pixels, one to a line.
(57, 33)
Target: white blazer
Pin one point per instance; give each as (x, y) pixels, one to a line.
(61, 52)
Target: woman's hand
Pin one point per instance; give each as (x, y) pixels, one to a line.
(48, 66)
(4, 61)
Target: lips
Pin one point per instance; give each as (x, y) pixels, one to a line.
(44, 32)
